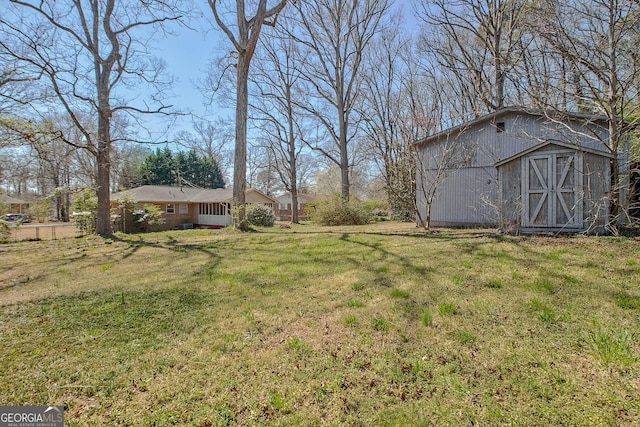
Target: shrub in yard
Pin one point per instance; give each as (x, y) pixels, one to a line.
(378, 208)
(39, 209)
(149, 218)
(85, 207)
(124, 213)
(338, 212)
(5, 232)
(260, 215)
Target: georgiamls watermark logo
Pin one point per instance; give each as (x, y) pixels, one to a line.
(31, 416)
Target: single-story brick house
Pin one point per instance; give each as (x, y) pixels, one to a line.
(186, 207)
(521, 170)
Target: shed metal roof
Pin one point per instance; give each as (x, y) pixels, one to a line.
(556, 115)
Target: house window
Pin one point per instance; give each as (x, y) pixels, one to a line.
(183, 208)
(500, 127)
(219, 209)
(283, 206)
(171, 208)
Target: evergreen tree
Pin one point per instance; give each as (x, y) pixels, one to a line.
(166, 168)
(158, 169)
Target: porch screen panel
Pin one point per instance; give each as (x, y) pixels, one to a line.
(219, 209)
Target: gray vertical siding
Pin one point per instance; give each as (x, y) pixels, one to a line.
(596, 183)
(469, 195)
(510, 195)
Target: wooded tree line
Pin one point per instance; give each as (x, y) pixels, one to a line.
(347, 85)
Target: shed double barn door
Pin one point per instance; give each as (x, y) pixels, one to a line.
(551, 190)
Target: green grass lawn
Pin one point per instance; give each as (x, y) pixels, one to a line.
(375, 325)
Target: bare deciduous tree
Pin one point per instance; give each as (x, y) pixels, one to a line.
(13, 93)
(211, 140)
(478, 43)
(90, 54)
(244, 43)
(276, 79)
(336, 33)
(399, 107)
(434, 165)
(599, 44)
(17, 171)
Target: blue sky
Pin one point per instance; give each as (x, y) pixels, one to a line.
(188, 55)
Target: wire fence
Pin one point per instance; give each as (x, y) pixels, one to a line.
(26, 232)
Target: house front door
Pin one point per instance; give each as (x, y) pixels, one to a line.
(551, 190)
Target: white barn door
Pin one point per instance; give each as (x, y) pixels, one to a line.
(551, 190)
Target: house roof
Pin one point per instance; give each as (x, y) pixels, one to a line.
(503, 112)
(13, 200)
(218, 195)
(547, 143)
(169, 194)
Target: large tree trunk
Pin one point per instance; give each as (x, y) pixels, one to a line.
(293, 169)
(344, 153)
(103, 225)
(344, 170)
(240, 158)
(244, 44)
(615, 199)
